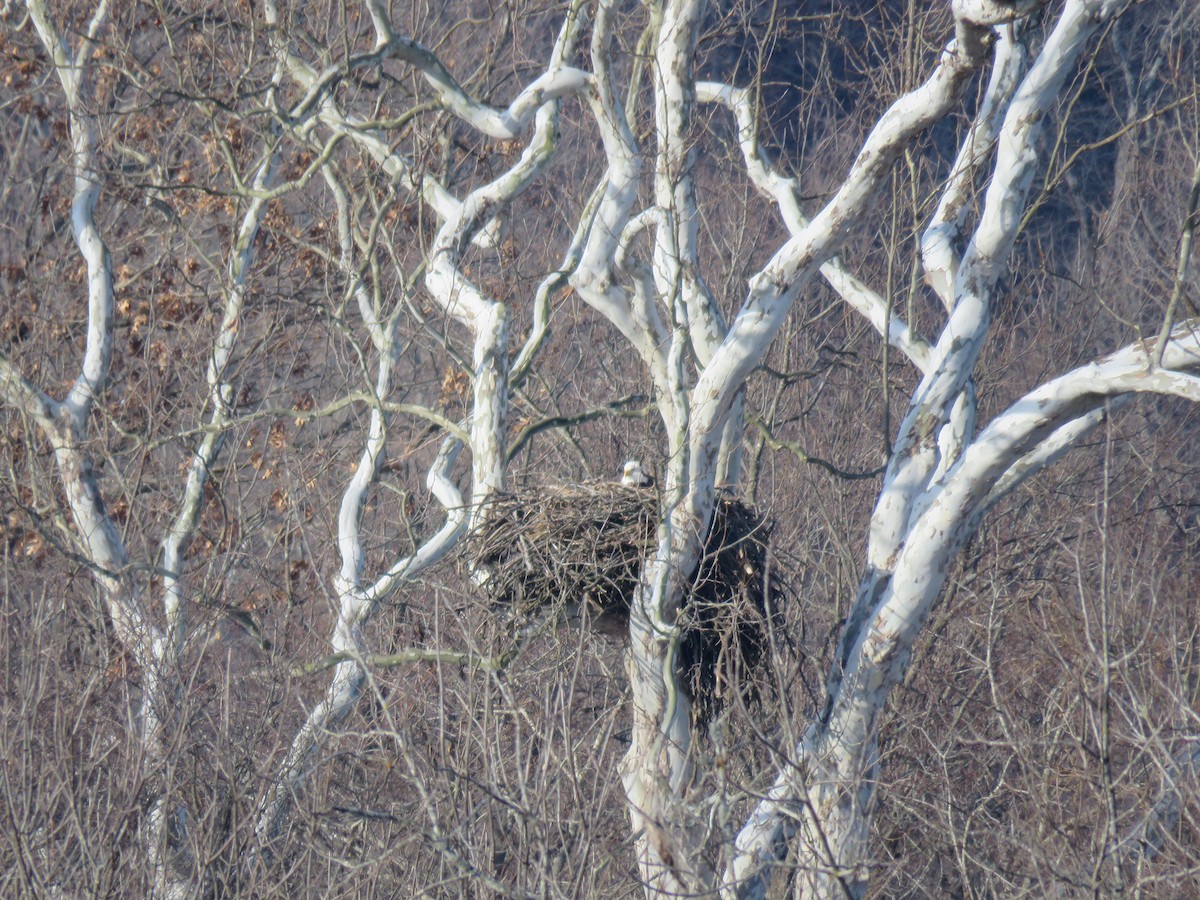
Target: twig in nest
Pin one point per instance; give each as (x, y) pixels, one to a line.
(555, 548)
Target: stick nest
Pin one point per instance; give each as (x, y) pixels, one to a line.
(562, 548)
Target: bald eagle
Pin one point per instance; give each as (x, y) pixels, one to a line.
(633, 475)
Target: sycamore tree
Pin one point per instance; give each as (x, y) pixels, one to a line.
(291, 292)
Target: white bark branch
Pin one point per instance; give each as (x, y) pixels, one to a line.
(785, 192)
(841, 747)
(557, 82)
(940, 251)
(915, 458)
(355, 606)
(606, 249)
(487, 320)
(101, 540)
(221, 401)
(773, 289)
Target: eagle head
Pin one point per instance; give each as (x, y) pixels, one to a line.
(633, 475)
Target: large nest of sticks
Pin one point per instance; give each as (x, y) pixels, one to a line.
(583, 546)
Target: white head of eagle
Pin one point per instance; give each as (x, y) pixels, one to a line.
(633, 475)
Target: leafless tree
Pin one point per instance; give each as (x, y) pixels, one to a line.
(387, 235)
